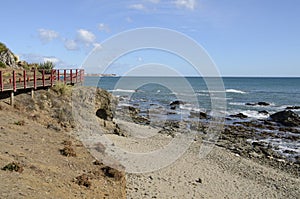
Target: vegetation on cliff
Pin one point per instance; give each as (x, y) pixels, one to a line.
(9, 60)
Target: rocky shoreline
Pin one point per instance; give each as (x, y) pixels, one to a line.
(257, 139)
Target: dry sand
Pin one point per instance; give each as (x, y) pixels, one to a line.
(221, 174)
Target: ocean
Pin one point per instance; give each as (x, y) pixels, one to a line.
(159, 92)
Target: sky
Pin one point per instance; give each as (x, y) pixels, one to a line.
(242, 37)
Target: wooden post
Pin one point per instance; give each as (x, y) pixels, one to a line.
(43, 77)
(76, 75)
(65, 76)
(82, 76)
(1, 80)
(34, 79)
(12, 98)
(51, 78)
(32, 93)
(58, 77)
(24, 76)
(14, 81)
(71, 76)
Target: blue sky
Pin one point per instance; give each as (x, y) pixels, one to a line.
(243, 37)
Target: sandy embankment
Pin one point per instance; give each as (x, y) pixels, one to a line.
(46, 173)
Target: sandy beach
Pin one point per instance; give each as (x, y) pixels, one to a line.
(222, 174)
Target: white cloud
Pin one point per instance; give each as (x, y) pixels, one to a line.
(71, 44)
(47, 35)
(36, 58)
(103, 27)
(137, 6)
(85, 36)
(54, 60)
(97, 45)
(154, 1)
(189, 4)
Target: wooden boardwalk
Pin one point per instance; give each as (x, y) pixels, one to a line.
(21, 80)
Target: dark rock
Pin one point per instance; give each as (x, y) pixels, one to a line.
(102, 113)
(263, 112)
(200, 115)
(292, 107)
(83, 180)
(263, 103)
(133, 111)
(257, 144)
(112, 173)
(141, 120)
(175, 104)
(54, 127)
(258, 103)
(240, 115)
(287, 118)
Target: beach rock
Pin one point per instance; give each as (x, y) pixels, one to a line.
(200, 115)
(103, 114)
(239, 115)
(133, 111)
(141, 120)
(264, 112)
(105, 104)
(258, 104)
(287, 118)
(292, 107)
(263, 103)
(175, 104)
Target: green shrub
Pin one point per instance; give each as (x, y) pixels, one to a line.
(14, 166)
(2, 47)
(20, 123)
(2, 65)
(47, 66)
(62, 89)
(26, 67)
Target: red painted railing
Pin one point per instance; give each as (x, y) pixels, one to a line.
(16, 79)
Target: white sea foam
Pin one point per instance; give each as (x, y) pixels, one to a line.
(254, 114)
(237, 103)
(189, 107)
(235, 91)
(227, 91)
(122, 90)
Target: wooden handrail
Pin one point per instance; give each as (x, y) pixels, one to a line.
(15, 80)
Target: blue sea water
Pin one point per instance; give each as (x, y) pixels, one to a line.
(160, 91)
(156, 93)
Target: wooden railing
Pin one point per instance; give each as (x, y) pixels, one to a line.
(22, 79)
